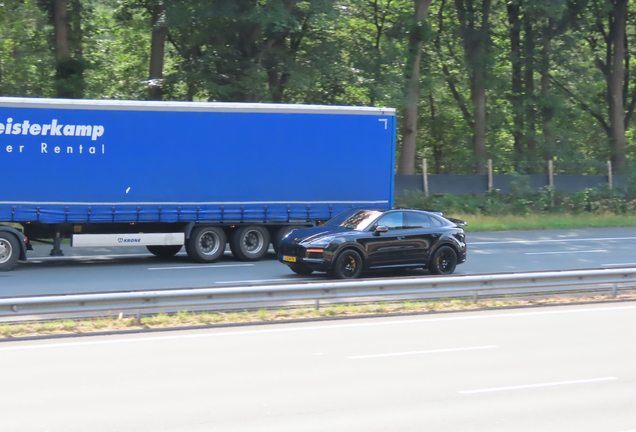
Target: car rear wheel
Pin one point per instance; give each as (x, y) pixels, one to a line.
(444, 261)
(249, 243)
(164, 251)
(348, 265)
(301, 269)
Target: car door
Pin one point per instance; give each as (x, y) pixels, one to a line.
(387, 248)
(422, 232)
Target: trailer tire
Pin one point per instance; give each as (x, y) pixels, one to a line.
(9, 251)
(167, 251)
(206, 244)
(249, 243)
(282, 232)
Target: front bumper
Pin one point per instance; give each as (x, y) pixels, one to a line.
(310, 257)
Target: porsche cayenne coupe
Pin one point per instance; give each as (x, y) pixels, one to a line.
(358, 240)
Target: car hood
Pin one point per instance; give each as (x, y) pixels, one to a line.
(308, 235)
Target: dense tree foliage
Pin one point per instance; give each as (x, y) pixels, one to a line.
(520, 82)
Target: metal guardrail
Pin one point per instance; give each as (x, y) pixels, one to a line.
(182, 299)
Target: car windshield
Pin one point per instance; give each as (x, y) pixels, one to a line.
(357, 220)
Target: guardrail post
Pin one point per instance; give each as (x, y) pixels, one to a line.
(614, 290)
(317, 304)
(475, 296)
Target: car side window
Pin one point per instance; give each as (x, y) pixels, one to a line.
(392, 221)
(437, 222)
(418, 220)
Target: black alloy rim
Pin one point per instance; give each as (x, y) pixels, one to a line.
(349, 265)
(445, 261)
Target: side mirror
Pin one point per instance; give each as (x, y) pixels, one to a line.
(380, 229)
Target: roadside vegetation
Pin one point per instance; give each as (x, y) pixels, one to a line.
(185, 319)
(525, 209)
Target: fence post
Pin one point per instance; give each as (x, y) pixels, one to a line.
(551, 173)
(609, 174)
(425, 176)
(489, 175)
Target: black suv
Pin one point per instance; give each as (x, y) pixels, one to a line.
(358, 240)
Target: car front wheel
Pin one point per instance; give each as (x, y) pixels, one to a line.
(443, 262)
(348, 265)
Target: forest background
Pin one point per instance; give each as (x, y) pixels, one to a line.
(520, 82)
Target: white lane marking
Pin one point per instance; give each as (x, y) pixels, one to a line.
(548, 241)
(565, 252)
(530, 386)
(263, 280)
(620, 265)
(327, 326)
(201, 266)
(421, 352)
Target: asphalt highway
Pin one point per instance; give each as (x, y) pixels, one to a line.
(84, 270)
(548, 369)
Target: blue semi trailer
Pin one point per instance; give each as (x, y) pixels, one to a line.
(170, 174)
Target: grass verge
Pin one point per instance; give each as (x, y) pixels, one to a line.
(478, 223)
(15, 331)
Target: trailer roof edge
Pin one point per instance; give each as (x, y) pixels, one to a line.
(134, 105)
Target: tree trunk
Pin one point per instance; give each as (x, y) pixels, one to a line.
(69, 73)
(406, 164)
(438, 153)
(479, 64)
(529, 109)
(513, 8)
(615, 86)
(478, 97)
(475, 40)
(157, 52)
(547, 112)
(60, 19)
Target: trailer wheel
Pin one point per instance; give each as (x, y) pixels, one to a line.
(249, 243)
(164, 251)
(206, 244)
(282, 232)
(9, 251)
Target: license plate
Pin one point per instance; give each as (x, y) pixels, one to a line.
(288, 258)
